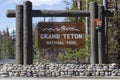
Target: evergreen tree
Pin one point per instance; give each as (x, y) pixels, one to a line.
(6, 45)
(36, 49)
(3, 44)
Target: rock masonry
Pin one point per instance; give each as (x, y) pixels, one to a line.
(59, 70)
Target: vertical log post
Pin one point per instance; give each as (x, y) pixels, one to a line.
(106, 31)
(28, 49)
(101, 35)
(19, 34)
(93, 33)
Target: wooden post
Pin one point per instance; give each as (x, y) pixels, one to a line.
(93, 33)
(101, 36)
(28, 49)
(19, 34)
(106, 31)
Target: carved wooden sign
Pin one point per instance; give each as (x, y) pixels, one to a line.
(61, 35)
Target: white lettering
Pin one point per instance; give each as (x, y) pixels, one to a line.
(72, 36)
(71, 42)
(57, 36)
(78, 36)
(64, 35)
(55, 42)
(50, 36)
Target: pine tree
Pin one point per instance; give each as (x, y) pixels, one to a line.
(7, 45)
(36, 49)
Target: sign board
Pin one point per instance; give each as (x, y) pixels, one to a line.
(61, 35)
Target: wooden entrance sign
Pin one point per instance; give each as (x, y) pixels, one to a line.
(61, 35)
(24, 14)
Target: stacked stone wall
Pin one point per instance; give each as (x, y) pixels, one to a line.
(59, 70)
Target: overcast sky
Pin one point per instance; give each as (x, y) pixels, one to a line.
(37, 4)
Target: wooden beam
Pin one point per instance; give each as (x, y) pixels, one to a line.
(11, 13)
(53, 13)
(58, 13)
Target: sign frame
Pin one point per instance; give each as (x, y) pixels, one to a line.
(61, 35)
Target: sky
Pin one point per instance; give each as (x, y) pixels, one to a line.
(10, 23)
